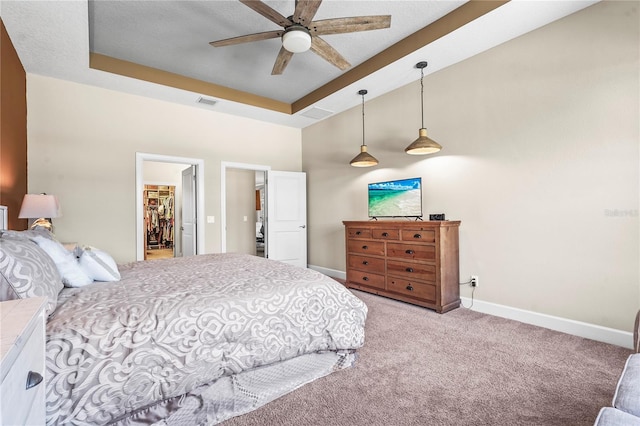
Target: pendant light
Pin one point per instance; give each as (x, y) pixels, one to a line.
(364, 159)
(423, 145)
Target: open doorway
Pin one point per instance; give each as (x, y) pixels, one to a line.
(162, 220)
(177, 227)
(244, 213)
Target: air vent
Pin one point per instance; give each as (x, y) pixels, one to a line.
(316, 113)
(206, 101)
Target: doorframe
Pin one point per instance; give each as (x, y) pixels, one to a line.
(141, 157)
(224, 165)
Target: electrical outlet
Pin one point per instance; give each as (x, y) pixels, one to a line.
(474, 281)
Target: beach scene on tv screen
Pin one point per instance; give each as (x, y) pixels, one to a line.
(395, 198)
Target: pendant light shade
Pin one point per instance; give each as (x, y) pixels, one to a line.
(364, 159)
(423, 145)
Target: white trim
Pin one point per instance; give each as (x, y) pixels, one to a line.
(329, 272)
(224, 165)
(141, 157)
(564, 325)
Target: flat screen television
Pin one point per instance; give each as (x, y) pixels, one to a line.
(396, 198)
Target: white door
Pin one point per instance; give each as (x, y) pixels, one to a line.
(189, 210)
(286, 226)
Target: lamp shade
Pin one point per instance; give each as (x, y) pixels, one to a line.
(364, 159)
(423, 145)
(296, 39)
(39, 206)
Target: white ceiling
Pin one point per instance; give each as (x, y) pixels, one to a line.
(54, 38)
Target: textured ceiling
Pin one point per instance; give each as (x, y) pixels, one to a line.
(174, 36)
(55, 38)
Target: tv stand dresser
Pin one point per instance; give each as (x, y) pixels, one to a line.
(415, 262)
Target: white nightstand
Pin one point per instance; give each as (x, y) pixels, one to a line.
(22, 369)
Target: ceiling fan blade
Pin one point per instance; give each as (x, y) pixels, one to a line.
(305, 11)
(247, 38)
(267, 12)
(328, 53)
(281, 61)
(350, 25)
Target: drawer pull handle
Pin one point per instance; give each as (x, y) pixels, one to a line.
(417, 236)
(410, 287)
(365, 247)
(33, 379)
(365, 262)
(409, 251)
(365, 278)
(358, 232)
(409, 269)
(385, 234)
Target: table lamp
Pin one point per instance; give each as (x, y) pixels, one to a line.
(40, 208)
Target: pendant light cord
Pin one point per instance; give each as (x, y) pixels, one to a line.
(363, 119)
(422, 96)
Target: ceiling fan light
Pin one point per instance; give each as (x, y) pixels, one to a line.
(296, 40)
(364, 159)
(423, 145)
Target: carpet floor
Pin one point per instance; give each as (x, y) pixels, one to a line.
(461, 368)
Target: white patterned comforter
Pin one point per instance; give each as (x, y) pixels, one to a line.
(172, 325)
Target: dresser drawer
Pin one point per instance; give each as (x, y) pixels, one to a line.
(368, 264)
(365, 278)
(417, 271)
(412, 288)
(359, 232)
(411, 251)
(427, 236)
(375, 248)
(386, 234)
(16, 400)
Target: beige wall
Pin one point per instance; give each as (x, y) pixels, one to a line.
(540, 163)
(82, 142)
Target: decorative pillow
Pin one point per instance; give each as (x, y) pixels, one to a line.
(27, 271)
(67, 264)
(99, 265)
(29, 233)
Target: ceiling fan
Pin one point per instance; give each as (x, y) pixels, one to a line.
(300, 33)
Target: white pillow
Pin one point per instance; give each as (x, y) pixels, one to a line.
(70, 272)
(99, 265)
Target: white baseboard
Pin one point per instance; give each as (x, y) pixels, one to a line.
(564, 325)
(330, 272)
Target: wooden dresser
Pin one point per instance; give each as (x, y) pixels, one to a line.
(416, 262)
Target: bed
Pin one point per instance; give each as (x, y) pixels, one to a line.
(192, 340)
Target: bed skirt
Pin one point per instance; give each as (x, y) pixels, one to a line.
(241, 393)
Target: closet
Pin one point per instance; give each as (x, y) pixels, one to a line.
(159, 208)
